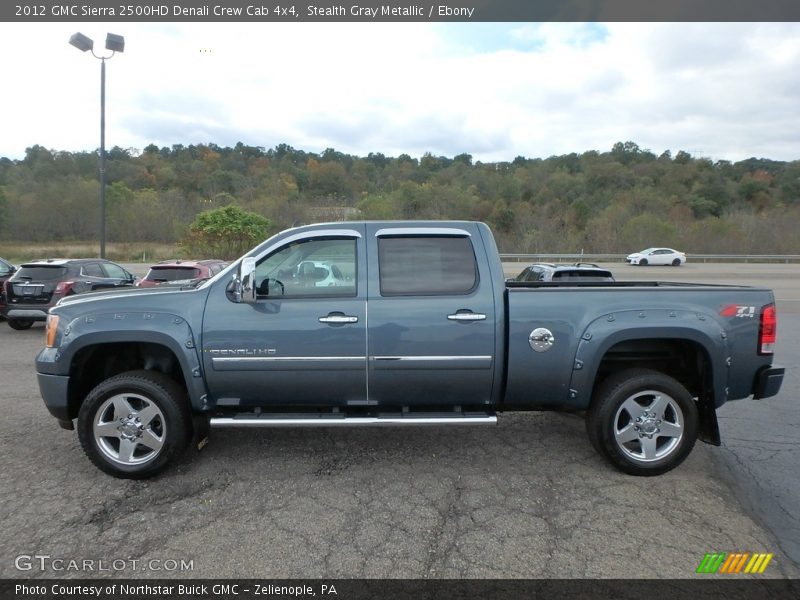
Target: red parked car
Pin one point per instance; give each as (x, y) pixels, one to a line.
(181, 272)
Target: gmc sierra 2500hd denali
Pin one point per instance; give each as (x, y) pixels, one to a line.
(400, 323)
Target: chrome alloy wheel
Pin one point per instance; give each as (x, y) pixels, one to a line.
(129, 429)
(648, 426)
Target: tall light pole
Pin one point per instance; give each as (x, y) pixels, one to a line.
(115, 43)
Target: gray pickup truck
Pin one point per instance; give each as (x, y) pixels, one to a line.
(400, 323)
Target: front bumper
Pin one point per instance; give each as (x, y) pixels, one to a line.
(53, 389)
(767, 382)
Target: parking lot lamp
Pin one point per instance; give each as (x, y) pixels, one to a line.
(115, 43)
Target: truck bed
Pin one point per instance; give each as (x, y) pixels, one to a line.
(593, 321)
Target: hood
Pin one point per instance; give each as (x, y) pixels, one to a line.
(131, 299)
(105, 294)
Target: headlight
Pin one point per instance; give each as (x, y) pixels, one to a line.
(51, 328)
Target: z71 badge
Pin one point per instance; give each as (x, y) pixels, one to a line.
(733, 310)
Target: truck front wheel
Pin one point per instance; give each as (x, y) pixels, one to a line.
(134, 424)
(642, 421)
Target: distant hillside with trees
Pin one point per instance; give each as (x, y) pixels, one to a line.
(615, 201)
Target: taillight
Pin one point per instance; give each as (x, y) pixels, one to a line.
(768, 330)
(64, 287)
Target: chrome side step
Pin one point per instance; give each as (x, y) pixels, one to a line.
(273, 420)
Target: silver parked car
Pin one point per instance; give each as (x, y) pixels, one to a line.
(657, 256)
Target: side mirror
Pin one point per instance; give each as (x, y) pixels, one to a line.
(245, 283)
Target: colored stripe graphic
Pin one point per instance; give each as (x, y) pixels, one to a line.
(703, 563)
(733, 563)
(742, 560)
(758, 563)
(729, 563)
(711, 562)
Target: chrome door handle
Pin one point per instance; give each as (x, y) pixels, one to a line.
(466, 316)
(338, 319)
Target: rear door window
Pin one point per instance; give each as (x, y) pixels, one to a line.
(115, 271)
(425, 266)
(92, 270)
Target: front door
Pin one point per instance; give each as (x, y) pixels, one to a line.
(303, 343)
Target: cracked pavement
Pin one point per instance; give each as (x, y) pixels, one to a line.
(528, 498)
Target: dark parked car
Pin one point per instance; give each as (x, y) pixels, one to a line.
(566, 273)
(6, 271)
(38, 285)
(181, 272)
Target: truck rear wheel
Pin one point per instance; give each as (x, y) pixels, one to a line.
(642, 421)
(20, 324)
(134, 424)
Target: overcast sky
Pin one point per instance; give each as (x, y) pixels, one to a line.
(496, 91)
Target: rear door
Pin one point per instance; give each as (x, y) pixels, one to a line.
(660, 256)
(431, 336)
(92, 277)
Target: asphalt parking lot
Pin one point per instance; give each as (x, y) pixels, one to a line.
(527, 498)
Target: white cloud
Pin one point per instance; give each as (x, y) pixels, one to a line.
(723, 90)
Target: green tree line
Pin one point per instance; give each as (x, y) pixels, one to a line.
(615, 201)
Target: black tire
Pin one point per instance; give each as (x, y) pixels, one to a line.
(676, 262)
(643, 262)
(668, 436)
(169, 424)
(20, 324)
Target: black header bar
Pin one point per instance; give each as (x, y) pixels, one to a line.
(706, 587)
(399, 11)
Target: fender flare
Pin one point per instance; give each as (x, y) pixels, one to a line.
(164, 329)
(607, 331)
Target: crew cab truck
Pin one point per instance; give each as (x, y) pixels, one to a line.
(421, 328)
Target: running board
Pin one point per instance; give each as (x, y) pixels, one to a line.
(335, 420)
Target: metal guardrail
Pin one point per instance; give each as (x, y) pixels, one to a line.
(745, 258)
